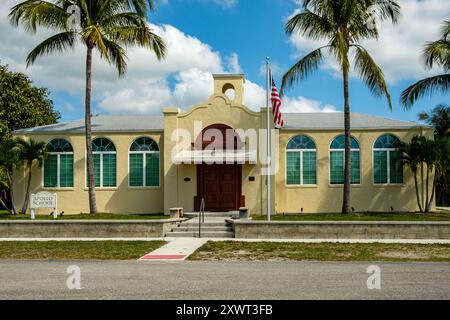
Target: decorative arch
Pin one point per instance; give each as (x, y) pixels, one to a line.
(301, 142)
(301, 161)
(105, 163)
(103, 145)
(59, 145)
(219, 134)
(144, 164)
(387, 164)
(144, 144)
(337, 161)
(58, 166)
(387, 141)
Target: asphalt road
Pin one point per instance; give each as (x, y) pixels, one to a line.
(222, 280)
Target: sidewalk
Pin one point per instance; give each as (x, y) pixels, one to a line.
(176, 250)
(405, 241)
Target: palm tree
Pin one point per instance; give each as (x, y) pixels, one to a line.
(108, 26)
(412, 157)
(343, 25)
(439, 119)
(437, 52)
(9, 159)
(31, 151)
(435, 155)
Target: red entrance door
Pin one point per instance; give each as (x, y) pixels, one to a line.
(220, 186)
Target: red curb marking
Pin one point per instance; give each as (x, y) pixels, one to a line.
(163, 257)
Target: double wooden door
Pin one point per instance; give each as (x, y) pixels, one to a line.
(221, 186)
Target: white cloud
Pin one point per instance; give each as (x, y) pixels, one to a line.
(399, 47)
(145, 88)
(232, 62)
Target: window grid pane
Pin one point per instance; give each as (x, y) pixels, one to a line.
(309, 168)
(109, 170)
(396, 168)
(136, 170)
(51, 171)
(66, 170)
(96, 171)
(152, 170)
(293, 168)
(380, 167)
(355, 172)
(337, 167)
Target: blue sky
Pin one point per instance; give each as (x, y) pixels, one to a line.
(211, 36)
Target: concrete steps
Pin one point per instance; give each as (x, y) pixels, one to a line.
(211, 228)
(230, 214)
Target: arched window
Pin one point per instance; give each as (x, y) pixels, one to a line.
(301, 167)
(337, 161)
(105, 163)
(387, 169)
(144, 163)
(58, 167)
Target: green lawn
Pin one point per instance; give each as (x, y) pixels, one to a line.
(435, 216)
(77, 250)
(99, 216)
(275, 251)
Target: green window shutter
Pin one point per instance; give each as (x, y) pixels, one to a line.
(355, 172)
(152, 170)
(66, 170)
(109, 170)
(396, 168)
(309, 168)
(136, 170)
(51, 171)
(293, 168)
(380, 167)
(336, 167)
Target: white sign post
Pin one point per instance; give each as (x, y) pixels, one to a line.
(44, 200)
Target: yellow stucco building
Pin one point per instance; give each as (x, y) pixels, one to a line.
(216, 151)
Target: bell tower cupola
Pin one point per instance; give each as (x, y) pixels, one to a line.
(232, 85)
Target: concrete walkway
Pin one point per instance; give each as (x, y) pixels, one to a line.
(404, 241)
(176, 250)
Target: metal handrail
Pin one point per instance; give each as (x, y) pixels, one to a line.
(201, 217)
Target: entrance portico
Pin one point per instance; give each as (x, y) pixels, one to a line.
(217, 160)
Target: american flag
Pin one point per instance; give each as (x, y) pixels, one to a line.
(276, 106)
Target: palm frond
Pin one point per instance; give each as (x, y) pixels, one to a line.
(428, 86)
(117, 56)
(141, 36)
(301, 70)
(388, 9)
(310, 25)
(371, 73)
(141, 6)
(93, 38)
(32, 13)
(57, 43)
(437, 52)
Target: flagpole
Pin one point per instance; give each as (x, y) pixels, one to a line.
(268, 86)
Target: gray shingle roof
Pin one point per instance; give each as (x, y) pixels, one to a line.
(335, 120)
(146, 123)
(141, 123)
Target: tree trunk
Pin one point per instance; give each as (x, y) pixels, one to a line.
(89, 155)
(419, 202)
(430, 204)
(346, 200)
(427, 181)
(27, 192)
(422, 184)
(11, 192)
